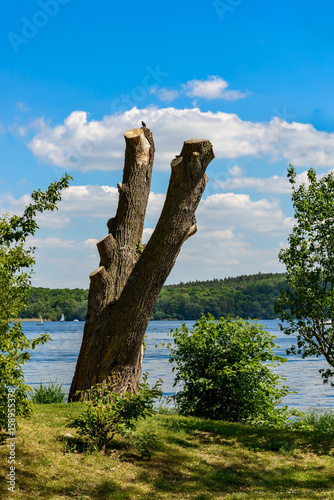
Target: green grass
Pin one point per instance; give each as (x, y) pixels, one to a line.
(192, 459)
(47, 394)
(321, 421)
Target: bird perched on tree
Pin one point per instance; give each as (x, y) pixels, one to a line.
(143, 124)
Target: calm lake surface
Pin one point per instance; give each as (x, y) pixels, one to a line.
(56, 361)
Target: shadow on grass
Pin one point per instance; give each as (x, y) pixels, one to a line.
(178, 474)
(193, 458)
(239, 467)
(34, 485)
(175, 467)
(253, 438)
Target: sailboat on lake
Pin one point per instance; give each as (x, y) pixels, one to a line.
(41, 321)
(62, 318)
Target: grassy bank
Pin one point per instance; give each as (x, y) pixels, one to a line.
(192, 459)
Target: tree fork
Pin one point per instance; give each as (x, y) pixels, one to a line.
(125, 287)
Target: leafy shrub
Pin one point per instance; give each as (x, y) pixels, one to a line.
(321, 422)
(225, 368)
(109, 414)
(53, 393)
(14, 354)
(144, 442)
(16, 267)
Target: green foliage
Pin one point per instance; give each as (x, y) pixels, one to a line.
(224, 367)
(140, 246)
(51, 304)
(52, 393)
(309, 261)
(144, 442)
(245, 296)
(109, 414)
(16, 264)
(321, 422)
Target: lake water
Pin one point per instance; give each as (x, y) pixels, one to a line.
(56, 361)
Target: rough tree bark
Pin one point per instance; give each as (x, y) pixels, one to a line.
(124, 289)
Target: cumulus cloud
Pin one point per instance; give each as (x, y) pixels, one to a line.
(101, 201)
(236, 235)
(77, 201)
(88, 201)
(275, 184)
(147, 233)
(229, 211)
(54, 242)
(212, 88)
(86, 145)
(165, 95)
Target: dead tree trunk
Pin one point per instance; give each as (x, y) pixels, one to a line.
(124, 289)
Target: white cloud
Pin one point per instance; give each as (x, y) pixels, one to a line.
(53, 220)
(155, 204)
(88, 201)
(203, 257)
(77, 201)
(165, 95)
(86, 145)
(54, 242)
(62, 262)
(147, 233)
(101, 201)
(22, 131)
(274, 184)
(212, 88)
(230, 211)
(236, 235)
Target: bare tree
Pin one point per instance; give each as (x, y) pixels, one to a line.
(124, 289)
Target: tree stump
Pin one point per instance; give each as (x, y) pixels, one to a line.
(125, 288)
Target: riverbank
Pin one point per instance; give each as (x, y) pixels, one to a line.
(31, 320)
(192, 459)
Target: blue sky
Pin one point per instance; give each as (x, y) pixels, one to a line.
(254, 77)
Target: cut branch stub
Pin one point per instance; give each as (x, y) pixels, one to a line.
(107, 248)
(99, 279)
(127, 226)
(141, 144)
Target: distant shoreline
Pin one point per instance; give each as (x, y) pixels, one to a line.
(38, 320)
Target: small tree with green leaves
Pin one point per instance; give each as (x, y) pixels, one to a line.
(108, 414)
(309, 260)
(16, 265)
(224, 367)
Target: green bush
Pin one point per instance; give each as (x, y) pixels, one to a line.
(321, 422)
(16, 267)
(109, 414)
(225, 370)
(53, 393)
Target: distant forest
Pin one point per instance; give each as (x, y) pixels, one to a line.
(245, 296)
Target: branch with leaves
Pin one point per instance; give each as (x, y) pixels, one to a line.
(309, 259)
(16, 265)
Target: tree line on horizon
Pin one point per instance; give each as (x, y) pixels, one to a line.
(246, 296)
